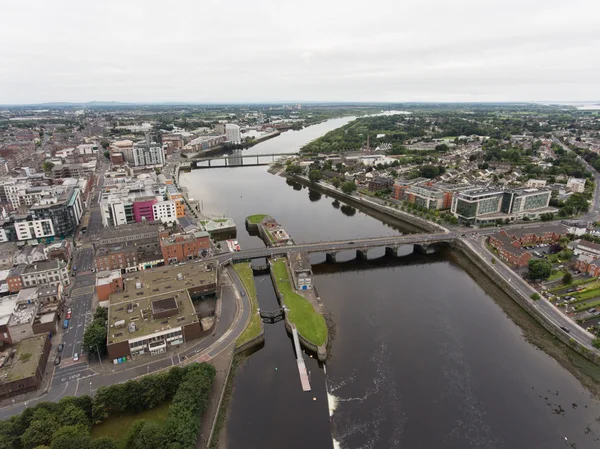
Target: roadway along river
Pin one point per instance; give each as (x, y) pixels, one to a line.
(424, 354)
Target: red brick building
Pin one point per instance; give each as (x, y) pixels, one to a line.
(534, 236)
(509, 250)
(181, 247)
(13, 280)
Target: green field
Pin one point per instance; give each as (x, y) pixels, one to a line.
(117, 426)
(255, 219)
(311, 325)
(556, 275)
(254, 328)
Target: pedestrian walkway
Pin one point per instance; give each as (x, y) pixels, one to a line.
(300, 359)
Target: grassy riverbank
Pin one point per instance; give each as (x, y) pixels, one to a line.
(254, 328)
(255, 219)
(310, 324)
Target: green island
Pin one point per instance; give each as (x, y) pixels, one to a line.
(310, 324)
(256, 218)
(254, 328)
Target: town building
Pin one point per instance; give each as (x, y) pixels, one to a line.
(13, 280)
(483, 205)
(510, 250)
(155, 310)
(45, 273)
(30, 254)
(22, 366)
(84, 170)
(107, 283)
(164, 211)
(123, 257)
(576, 185)
(33, 229)
(377, 184)
(146, 153)
(300, 268)
(64, 209)
(232, 133)
(535, 183)
(181, 247)
(128, 233)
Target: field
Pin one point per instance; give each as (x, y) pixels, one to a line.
(117, 426)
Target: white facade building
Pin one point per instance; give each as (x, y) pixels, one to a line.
(165, 211)
(35, 229)
(576, 184)
(232, 132)
(148, 154)
(536, 183)
(45, 273)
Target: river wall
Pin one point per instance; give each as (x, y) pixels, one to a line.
(320, 351)
(416, 223)
(526, 303)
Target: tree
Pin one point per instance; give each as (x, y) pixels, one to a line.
(71, 437)
(94, 338)
(596, 342)
(37, 433)
(539, 269)
(339, 167)
(105, 144)
(429, 171)
(47, 166)
(567, 278)
(71, 415)
(294, 169)
(348, 187)
(101, 313)
(314, 175)
(144, 434)
(442, 148)
(535, 296)
(107, 154)
(336, 182)
(103, 443)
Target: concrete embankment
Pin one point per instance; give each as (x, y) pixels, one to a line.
(526, 303)
(378, 211)
(319, 350)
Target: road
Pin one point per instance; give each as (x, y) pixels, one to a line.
(76, 379)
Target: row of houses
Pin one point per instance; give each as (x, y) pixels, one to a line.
(510, 242)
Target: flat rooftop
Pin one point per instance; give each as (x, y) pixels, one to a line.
(24, 362)
(147, 292)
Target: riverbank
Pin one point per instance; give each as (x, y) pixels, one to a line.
(585, 370)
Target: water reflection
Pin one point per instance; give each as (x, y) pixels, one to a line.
(348, 210)
(336, 204)
(313, 195)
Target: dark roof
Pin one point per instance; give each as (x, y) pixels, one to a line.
(559, 229)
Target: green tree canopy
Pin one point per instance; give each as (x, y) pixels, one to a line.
(94, 338)
(71, 437)
(144, 434)
(348, 187)
(539, 269)
(103, 443)
(47, 166)
(567, 278)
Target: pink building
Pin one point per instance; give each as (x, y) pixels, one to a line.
(142, 209)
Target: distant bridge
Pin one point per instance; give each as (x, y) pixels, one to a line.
(237, 160)
(423, 242)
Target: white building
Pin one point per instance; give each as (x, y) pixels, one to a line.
(536, 183)
(148, 154)
(53, 272)
(576, 184)
(232, 132)
(35, 229)
(165, 211)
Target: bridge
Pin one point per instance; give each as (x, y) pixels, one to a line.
(272, 316)
(236, 159)
(422, 242)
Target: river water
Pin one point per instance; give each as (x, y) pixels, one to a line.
(423, 355)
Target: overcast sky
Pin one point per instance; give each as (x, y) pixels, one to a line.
(307, 50)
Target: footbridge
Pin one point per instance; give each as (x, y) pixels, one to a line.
(238, 159)
(422, 242)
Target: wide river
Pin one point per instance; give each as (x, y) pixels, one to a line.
(424, 354)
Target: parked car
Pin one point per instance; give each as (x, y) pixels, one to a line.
(75, 357)
(65, 324)
(69, 312)
(61, 347)
(57, 360)
(566, 329)
(592, 310)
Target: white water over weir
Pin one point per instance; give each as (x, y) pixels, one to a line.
(300, 359)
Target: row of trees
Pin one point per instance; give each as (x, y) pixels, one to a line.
(94, 337)
(67, 423)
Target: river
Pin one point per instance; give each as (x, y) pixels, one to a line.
(424, 354)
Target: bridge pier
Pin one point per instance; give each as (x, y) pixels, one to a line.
(331, 257)
(424, 248)
(362, 254)
(391, 251)
(209, 163)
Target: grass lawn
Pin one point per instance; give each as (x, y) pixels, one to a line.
(117, 426)
(556, 275)
(309, 323)
(589, 305)
(254, 328)
(587, 294)
(255, 219)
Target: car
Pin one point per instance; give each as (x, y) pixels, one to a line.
(61, 347)
(57, 360)
(243, 293)
(68, 314)
(65, 324)
(75, 357)
(571, 290)
(566, 329)
(350, 243)
(592, 310)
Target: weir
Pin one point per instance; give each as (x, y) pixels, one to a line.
(300, 360)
